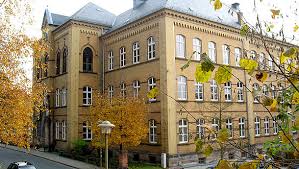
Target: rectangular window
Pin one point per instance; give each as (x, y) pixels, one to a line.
(152, 132)
(151, 84)
(242, 127)
(257, 124)
(63, 132)
(122, 57)
(240, 92)
(270, 62)
(57, 98)
(110, 60)
(237, 56)
(226, 54)
(212, 51)
(57, 130)
(214, 91)
(183, 131)
(123, 90)
(229, 126)
(136, 53)
(200, 128)
(275, 125)
(228, 91)
(110, 92)
(215, 126)
(63, 97)
(182, 88)
(87, 134)
(266, 126)
(199, 91)
(136, 88)
(87, 95)
(151, 48)
(180, 46)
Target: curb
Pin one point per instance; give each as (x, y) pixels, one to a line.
(23, 151)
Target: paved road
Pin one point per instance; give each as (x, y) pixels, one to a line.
(7, 156)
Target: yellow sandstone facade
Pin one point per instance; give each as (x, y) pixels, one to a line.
(88, 56)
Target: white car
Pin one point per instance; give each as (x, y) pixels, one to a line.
(21, 165)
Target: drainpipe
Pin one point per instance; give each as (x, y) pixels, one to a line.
(103, 64)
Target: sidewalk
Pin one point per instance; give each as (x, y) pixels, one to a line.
(53, 157)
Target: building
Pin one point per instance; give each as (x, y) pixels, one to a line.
(145, 47)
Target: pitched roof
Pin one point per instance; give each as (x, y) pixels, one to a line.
(199, 8)
(58, 19)
(94, 14)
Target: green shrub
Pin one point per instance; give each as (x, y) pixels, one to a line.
(81, 147)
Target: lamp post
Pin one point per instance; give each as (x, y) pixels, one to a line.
(106, 128)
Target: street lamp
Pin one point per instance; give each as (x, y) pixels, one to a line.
(106, 128)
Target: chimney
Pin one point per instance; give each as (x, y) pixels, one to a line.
(137, 3)
(236, 8)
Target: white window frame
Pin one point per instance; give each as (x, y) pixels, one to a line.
(270, 62)
(136, 88)
(199, 93)
(279, 93)
(214, 90)
(63, 97)
(228, 91)
(275, 125)
(151, 48)
(262, 63)
(267, 125)
(57, 129)
(229, 126)
(253, 55)
(215, 126)
(212, 51)
(200, 128)
(256, 88)
(87, 100)
(57, 98)
(265, 90)
(183, 131)
(180, 46)
(110, 91)
(110, 60)
(136, 53)
(197, 48)
(88, 132)
(226, 54)
(237, 56)
(182, 88)
(122, 57)
(63, 130)
(273, 91)
(240, 92)
(257, 126)
(151, 84)
(242, 127)
(152, 132)
(123, 89)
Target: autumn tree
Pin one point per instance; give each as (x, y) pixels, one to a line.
(17, 99)
(129, 115)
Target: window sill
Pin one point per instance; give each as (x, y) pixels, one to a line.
(86, 105)
(199, 100)
(89, 72)
(60, 107)
(61, 74)
(240, 101)
(182, 100)
(184, 143)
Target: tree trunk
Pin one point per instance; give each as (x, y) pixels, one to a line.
(123, 158)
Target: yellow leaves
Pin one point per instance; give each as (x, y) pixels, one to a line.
(244, 30)
(202, 76)
(223, 164)
(295, 99)
(288, 54)
(199, 145)
(208, 150)
(223, 135)
(249, 65)
(273, 106)
(249, 165)
(275, 12)
(223, 74)
(217, 4)
(261, 76)
(284, 138)
(153, 93)
(296, 27)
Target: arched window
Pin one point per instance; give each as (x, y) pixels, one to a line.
(226, 54)
(87, 95)
(63, 97)
(136, 52)
(240, 92)
(151, 84)
(58, 63)
(183, 131)
(237, 56)
(228, 91)
(87, 59)
(200, 128)
(253, 55)
(242, 127)
(266, 125)
(212, 51)
(151, 48)
(262, 63)
(265, 90)
(256, 88)
(122, 57)
(273, 91)
(136, 88)
(64, 60)
(214, 90)
(229, 126)
(87, 133)
(182, 88)
(180, 46)
(257, 126)
(123, 89)
(152, 131)
(197, 48)
(110, 60)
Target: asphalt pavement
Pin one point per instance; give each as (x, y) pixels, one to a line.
(7, 156)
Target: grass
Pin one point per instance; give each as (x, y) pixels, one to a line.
(143, 166)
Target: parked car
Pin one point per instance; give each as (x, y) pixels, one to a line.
(21, 165)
